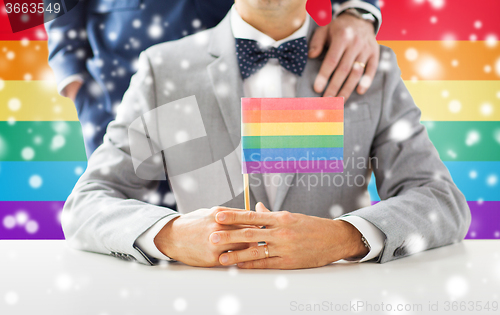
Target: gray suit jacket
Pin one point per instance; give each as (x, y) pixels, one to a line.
(421, 207)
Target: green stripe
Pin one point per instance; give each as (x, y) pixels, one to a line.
(458, 141)
(280, 142)
(41, 141)
(449, 137)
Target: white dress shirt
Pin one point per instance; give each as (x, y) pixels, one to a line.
(272, 80)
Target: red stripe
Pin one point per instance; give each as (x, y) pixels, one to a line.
(402, 20)
(35, 33)
(411, 19)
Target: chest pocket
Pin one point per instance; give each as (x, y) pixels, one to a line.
(108, 6)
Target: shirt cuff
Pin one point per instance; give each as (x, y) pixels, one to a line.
(146, 240)
(372, 234)
(358, 4)
(66, 81)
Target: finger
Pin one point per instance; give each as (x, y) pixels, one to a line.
(259, 207)
(240, 236)
(245, 217)
(251, 253)
(318, 41)
(354, 77)
(367, 78)
(235, 247)
(219, 209)
(236, 227)
(342, 70)
(266, 263)
(252, 244)
(333, 55)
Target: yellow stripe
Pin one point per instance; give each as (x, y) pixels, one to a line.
(293, 129)
(477, 100)
(34, 101)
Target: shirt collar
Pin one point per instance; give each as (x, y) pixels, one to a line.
(242, 29)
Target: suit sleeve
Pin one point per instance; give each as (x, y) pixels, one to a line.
(421, 207)
(108, 210)
(68, 45)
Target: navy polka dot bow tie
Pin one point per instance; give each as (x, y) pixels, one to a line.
(291, 55)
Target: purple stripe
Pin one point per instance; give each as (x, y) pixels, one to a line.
(485, 219)
(485, 223)
(31, 220)
(321, 166)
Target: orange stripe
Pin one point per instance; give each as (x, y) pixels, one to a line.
(19, 60)
(434, 61)
(441, 60)
(257, 116)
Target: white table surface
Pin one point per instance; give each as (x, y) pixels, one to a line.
(47, 277)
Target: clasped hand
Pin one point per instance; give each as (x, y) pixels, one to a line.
(225, 236)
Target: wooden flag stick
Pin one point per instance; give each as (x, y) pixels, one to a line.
(246, 186)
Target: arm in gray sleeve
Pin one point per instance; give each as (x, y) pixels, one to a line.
(107, 210)
(421, 207)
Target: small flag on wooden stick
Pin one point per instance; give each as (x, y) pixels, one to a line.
(291, 135)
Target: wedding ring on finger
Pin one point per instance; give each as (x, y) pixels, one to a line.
(266, 251)
(358, 65)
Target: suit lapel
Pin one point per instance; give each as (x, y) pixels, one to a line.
(228, 88)
(305, 88)
(225, 78)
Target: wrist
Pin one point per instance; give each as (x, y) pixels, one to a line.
(165, 239)
(354, 247)
(353, 13)
(71, 90)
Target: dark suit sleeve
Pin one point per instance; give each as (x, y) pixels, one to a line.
(421, 207)
(68, 44)
(372, 2)
(212, 11)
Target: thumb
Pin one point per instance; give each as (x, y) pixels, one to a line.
(259, 207)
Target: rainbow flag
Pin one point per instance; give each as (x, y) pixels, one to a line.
(292, 135)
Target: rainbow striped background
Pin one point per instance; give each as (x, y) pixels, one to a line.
(450, 61)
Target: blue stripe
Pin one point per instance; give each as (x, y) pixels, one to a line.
(480, 187)
(293, 154)
(57, 180)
